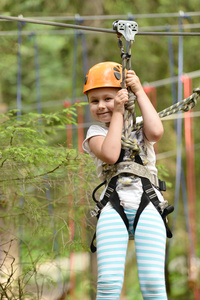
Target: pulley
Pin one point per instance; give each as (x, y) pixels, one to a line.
(126, 28)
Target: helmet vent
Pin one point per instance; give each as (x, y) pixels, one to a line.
(117, 75)
(86, 78)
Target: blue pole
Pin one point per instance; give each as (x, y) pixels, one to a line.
(19, 76)
(171, 66)
(19, 111)
(178, 128)
(85, 69)
(37, 76)
(39, 110)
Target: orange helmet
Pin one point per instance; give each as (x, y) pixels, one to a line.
(105, 74)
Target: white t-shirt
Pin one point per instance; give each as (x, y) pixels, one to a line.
(129, 188)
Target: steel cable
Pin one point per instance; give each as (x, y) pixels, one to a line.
(58, 24)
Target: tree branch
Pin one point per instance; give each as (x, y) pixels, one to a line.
(33, 177)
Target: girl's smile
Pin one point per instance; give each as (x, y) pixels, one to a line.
(102, 103)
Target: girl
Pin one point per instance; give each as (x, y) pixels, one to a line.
(103, 143)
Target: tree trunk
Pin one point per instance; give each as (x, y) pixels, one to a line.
(3, 106)
(9, 257)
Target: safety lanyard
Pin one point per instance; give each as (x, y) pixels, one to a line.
(127, 29)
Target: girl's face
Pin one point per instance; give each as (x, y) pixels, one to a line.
(101, 103)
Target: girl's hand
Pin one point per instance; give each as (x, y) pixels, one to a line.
(153, 128)
(133, 81)
(119, 101)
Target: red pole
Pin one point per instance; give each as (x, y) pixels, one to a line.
(191, 186)
(69, 128)
(80, 121)
(72, 277)
(71, 214)
(80, 127)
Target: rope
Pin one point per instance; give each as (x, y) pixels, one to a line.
(129, 30)
(129, 114)
(184, 105)
(40, 22)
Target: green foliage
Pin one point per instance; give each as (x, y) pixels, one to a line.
(32, 168)
(25, 141)
(163, 174)
(34, 159)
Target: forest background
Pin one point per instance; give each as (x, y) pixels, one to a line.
(46, 181)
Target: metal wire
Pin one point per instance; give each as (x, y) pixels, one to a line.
(74, 26)
(115, 17)
(68, 31)
(40, 22)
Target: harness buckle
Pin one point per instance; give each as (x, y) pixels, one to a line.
(162, 185)
(95, 211)
(127, 28)
(168, 210)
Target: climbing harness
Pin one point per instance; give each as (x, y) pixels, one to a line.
(148, 196)
(137, 168)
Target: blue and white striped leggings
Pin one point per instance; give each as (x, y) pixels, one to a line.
(112, 242)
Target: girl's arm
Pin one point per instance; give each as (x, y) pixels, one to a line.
(108, 148)
(153, 128)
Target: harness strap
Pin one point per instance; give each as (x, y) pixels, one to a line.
(150, 195)
(114, 200)
(143, 203)
(138, 169)
(93, 248)
(112, 196)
